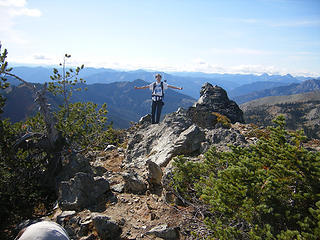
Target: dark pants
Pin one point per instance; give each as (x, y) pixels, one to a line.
(156, 111)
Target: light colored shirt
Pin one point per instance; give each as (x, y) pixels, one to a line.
(157, 91)
(45, 230)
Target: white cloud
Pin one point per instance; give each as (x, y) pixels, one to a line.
(195, 65)
(239, 51)
(9, 11)
(200, 65)
(299, 23)
(12, 3)
(25, 12)
(41, 57)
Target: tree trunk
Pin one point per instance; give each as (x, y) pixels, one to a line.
(52, 133)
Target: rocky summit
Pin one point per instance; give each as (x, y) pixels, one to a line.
(123, 193)
(184, 132)
(214, 99)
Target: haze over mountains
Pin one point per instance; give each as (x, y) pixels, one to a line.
(125, 104)
(191, 81)
(294, 88)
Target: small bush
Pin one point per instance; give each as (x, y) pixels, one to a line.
(85, 127)
(223, 120)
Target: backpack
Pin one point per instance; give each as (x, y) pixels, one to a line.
(154, 85)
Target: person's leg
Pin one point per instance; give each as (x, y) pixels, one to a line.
(159, 108)
(153, 111)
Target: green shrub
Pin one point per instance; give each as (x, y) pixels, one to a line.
(223, 120)
(85, 128)
(257, 132)
(22, 177)
(270, 190)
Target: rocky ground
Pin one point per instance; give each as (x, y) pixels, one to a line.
(140, 216)
(125, 193)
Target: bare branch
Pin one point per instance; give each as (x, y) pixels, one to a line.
(20, 79)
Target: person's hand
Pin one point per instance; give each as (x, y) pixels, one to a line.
(135, 87)
(180, 88)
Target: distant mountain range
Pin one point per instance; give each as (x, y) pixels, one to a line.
(190, 81)
(295, 88)
(300, 111)
(254, 87)
(124, 103)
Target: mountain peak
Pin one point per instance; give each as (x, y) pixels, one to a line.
(214, 99)
(210, 94)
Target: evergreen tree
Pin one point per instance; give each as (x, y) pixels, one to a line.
(26, 166)
(270, 190)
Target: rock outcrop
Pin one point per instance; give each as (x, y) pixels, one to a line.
(82, 191)
(214, 99)
(184, 132)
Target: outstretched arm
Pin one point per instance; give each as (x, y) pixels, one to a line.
(174, 87)
(144, 87)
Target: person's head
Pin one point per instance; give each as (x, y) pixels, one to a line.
(45, 230)
(158, 77)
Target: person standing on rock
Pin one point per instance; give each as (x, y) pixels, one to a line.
(157, 89)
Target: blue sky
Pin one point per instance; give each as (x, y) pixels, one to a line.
(214, 36)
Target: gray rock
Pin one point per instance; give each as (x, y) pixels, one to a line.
(118, 188)
(221, 138)
(134, 183)
(214, 99)
(75, 163)
(168, 192)
(65, 214)
(107, 229)
(156, 142)
(164, 232)
(154, 173)
(189, 140)
(145, 119)
(81, 191)
(110, 147)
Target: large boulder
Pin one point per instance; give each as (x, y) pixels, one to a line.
(107, 229)
(156, 142)
(134, 183)
(82, 191)
(189, 140)
(214, 99)
(154, 173)
(74, 163)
